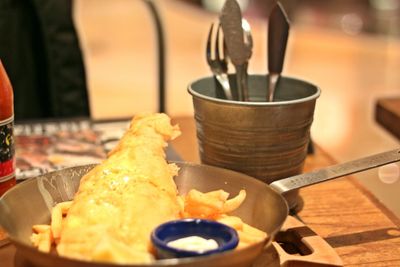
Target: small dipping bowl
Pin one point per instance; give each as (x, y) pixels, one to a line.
(225, 236)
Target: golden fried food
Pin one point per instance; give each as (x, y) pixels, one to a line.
(210, 205)
(124, 198)
(215, 205)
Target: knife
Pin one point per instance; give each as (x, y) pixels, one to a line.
(278, 31)
(239, 53)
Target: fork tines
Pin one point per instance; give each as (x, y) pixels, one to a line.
(217, 58)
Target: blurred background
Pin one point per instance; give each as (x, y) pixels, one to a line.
(349, 48)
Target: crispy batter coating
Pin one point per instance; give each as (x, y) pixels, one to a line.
(124, 198)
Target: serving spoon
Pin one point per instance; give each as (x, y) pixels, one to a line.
(239, 52)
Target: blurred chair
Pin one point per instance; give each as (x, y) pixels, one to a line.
(43, 58)
(160, 53)
(42, 55)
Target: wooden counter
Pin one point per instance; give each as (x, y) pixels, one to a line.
(360, 229)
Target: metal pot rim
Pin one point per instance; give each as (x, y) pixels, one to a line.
(258, 103)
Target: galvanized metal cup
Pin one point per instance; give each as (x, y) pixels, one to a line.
(266, 140)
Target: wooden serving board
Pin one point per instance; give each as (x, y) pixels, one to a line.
(297, 245)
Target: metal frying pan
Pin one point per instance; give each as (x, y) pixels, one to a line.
(30, 203)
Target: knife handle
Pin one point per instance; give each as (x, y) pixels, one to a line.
(241, 82)
(278, 31)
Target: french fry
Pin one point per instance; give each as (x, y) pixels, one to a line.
(34, 239)
(254, 231)
(40, 228)
(250, 235)
(64, 206)
(234, 203)
(232, 221)
(56, 221)
(203, 205)
(212, 199)
(181, 202)
(212, 204)
(41, 237)
(218, 194)
(44, 241)
(199, 211)
(43, 233)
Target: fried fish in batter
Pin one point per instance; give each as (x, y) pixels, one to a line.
(123, 199)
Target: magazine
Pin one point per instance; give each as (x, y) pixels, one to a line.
(47, 146)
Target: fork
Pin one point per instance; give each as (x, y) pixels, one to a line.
(217, 60)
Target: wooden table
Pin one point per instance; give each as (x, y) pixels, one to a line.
(361, 230)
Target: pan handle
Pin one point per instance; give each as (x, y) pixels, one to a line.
(302, 180)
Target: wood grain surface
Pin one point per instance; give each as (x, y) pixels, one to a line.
(360, 229)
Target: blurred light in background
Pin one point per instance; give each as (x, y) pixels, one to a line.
(385, 4)
(352, 24)
(389, 174)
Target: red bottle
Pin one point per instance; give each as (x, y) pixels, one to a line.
(7, 150)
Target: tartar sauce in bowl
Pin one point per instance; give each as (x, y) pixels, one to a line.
(194, 243)
(192, 238)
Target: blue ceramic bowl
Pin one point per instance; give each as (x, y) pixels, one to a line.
(225, 236)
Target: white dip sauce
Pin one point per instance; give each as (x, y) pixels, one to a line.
(194, 243)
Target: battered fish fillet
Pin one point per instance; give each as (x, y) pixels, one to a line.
(124, 198)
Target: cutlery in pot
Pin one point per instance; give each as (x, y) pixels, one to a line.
(239, 52)
(278, 31)
(217, 59)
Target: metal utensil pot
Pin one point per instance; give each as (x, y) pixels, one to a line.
(266, 140)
